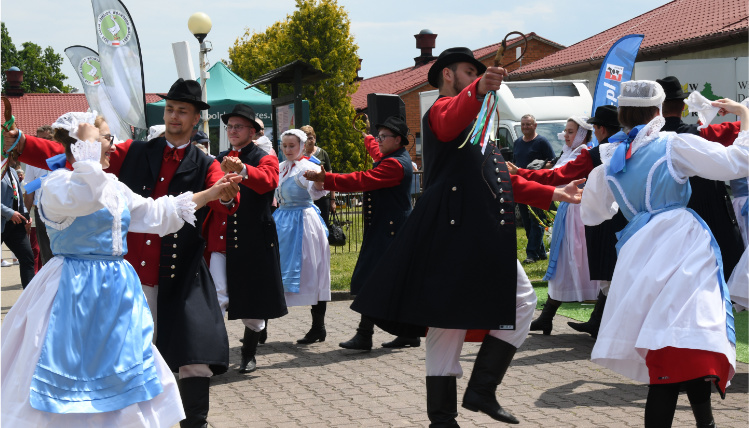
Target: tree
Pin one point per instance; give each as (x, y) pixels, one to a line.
(318, 32)
(41, 67)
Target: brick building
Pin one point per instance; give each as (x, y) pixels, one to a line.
(409, 82)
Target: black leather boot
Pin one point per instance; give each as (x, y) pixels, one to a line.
(543, 322)
(403, 342)
(362, 340)
(317, 332)
(491, 364)
(263, 334)
(594, 323)
(195, 400)
(249, 348)
(442, 397)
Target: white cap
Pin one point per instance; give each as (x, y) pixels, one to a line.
(641, 93)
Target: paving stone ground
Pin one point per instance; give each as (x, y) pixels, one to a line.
(551, 383)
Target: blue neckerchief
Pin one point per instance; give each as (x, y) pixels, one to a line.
(619, 159)
(55, 162)
(315, 160)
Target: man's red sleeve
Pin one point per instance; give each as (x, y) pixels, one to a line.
(449, 116)
(531, 193)
(215, 174)
(118, 157)
(724, 133)
(264, 177)
(388, 173)
(36, 151)
(372, 148)
(576, 169)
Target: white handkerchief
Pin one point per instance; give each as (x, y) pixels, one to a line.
(699, 104)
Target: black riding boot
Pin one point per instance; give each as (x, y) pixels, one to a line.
(698, 392)
(403, 342)
(249, 348)
(594, 323)
(263, 334)
(543, 322)
(491, 364)
(362, 340)
(442, 397)
(195, 400)
(317, 332)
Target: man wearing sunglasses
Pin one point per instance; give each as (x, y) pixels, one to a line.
(387, 204)
(256, 294)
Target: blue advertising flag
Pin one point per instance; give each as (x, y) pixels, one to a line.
(616, 68)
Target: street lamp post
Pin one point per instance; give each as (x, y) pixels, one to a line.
(200, 25)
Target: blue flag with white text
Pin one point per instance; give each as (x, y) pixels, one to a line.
(616, 68)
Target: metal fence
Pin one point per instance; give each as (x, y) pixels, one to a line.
(349, 213)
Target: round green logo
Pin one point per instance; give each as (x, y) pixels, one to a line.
(90, 70)
(114, 28)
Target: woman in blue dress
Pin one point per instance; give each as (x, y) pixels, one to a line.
(76, 347)
(668, 320)
(302, 235)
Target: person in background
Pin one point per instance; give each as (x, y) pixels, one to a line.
(15, 219)
(39, 230)
(326, 204)
(201, 141)
(527, 148)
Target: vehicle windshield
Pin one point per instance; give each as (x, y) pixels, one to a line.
(548, 130)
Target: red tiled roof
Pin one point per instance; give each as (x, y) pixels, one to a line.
(401, 81)
(674, 27)
(34, 110)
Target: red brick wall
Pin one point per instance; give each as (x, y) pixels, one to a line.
(535, 51)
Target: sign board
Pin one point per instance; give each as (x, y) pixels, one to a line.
(714, 78)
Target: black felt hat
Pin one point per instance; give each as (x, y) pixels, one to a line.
(398, 126)
(606, 116)
(672, 87)
(187, 91)
(451, 56)
(242, 110)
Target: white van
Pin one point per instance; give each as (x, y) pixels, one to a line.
(552, 102)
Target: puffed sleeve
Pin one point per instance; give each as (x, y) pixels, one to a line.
(161, 216)
(310, 185)
(66, 195)
(598, 203)
(690, 155)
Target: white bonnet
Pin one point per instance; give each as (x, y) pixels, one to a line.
(297, 133)
(70, 121)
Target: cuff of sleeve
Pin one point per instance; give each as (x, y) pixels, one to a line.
(87, 165)
(86, 151)
(243, 172)
(742, 139)
(185, 207)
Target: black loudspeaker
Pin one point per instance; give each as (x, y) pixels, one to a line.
(382, 106)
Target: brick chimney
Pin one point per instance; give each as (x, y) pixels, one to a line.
(13, 79)
(425, 41)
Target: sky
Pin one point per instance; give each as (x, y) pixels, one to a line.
(383, 29)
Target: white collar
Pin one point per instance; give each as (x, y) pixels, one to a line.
(171, 146)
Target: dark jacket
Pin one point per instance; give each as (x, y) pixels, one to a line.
(454, 263)
(385, 211)
(190, 326)
(710, 200)
(253, 268)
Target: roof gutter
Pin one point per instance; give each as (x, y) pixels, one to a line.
(650, 54)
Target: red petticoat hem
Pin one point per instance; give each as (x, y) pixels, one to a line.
(674, 365)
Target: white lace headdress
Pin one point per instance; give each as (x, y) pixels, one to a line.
(302, 139)
(70, 121)
(641, 93)
(582, 130)
(155, 131)
(264, 143)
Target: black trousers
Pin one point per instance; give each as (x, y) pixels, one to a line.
(17, 240)
(324, 205)
(45, 252)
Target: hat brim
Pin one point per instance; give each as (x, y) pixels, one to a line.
(436, 68)
(199, 104)
(594, 121)
(404, 138)
(225, 118)
(683, 96)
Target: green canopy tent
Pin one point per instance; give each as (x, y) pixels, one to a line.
(225, 90)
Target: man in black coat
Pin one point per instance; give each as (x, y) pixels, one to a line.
(387, 203)
(247, 236)
(710, 199)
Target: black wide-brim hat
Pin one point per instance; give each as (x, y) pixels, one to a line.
(607, 116)
(451, 56)
(187, 91)
(242, 110)
(672, 87)
(398, 126)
